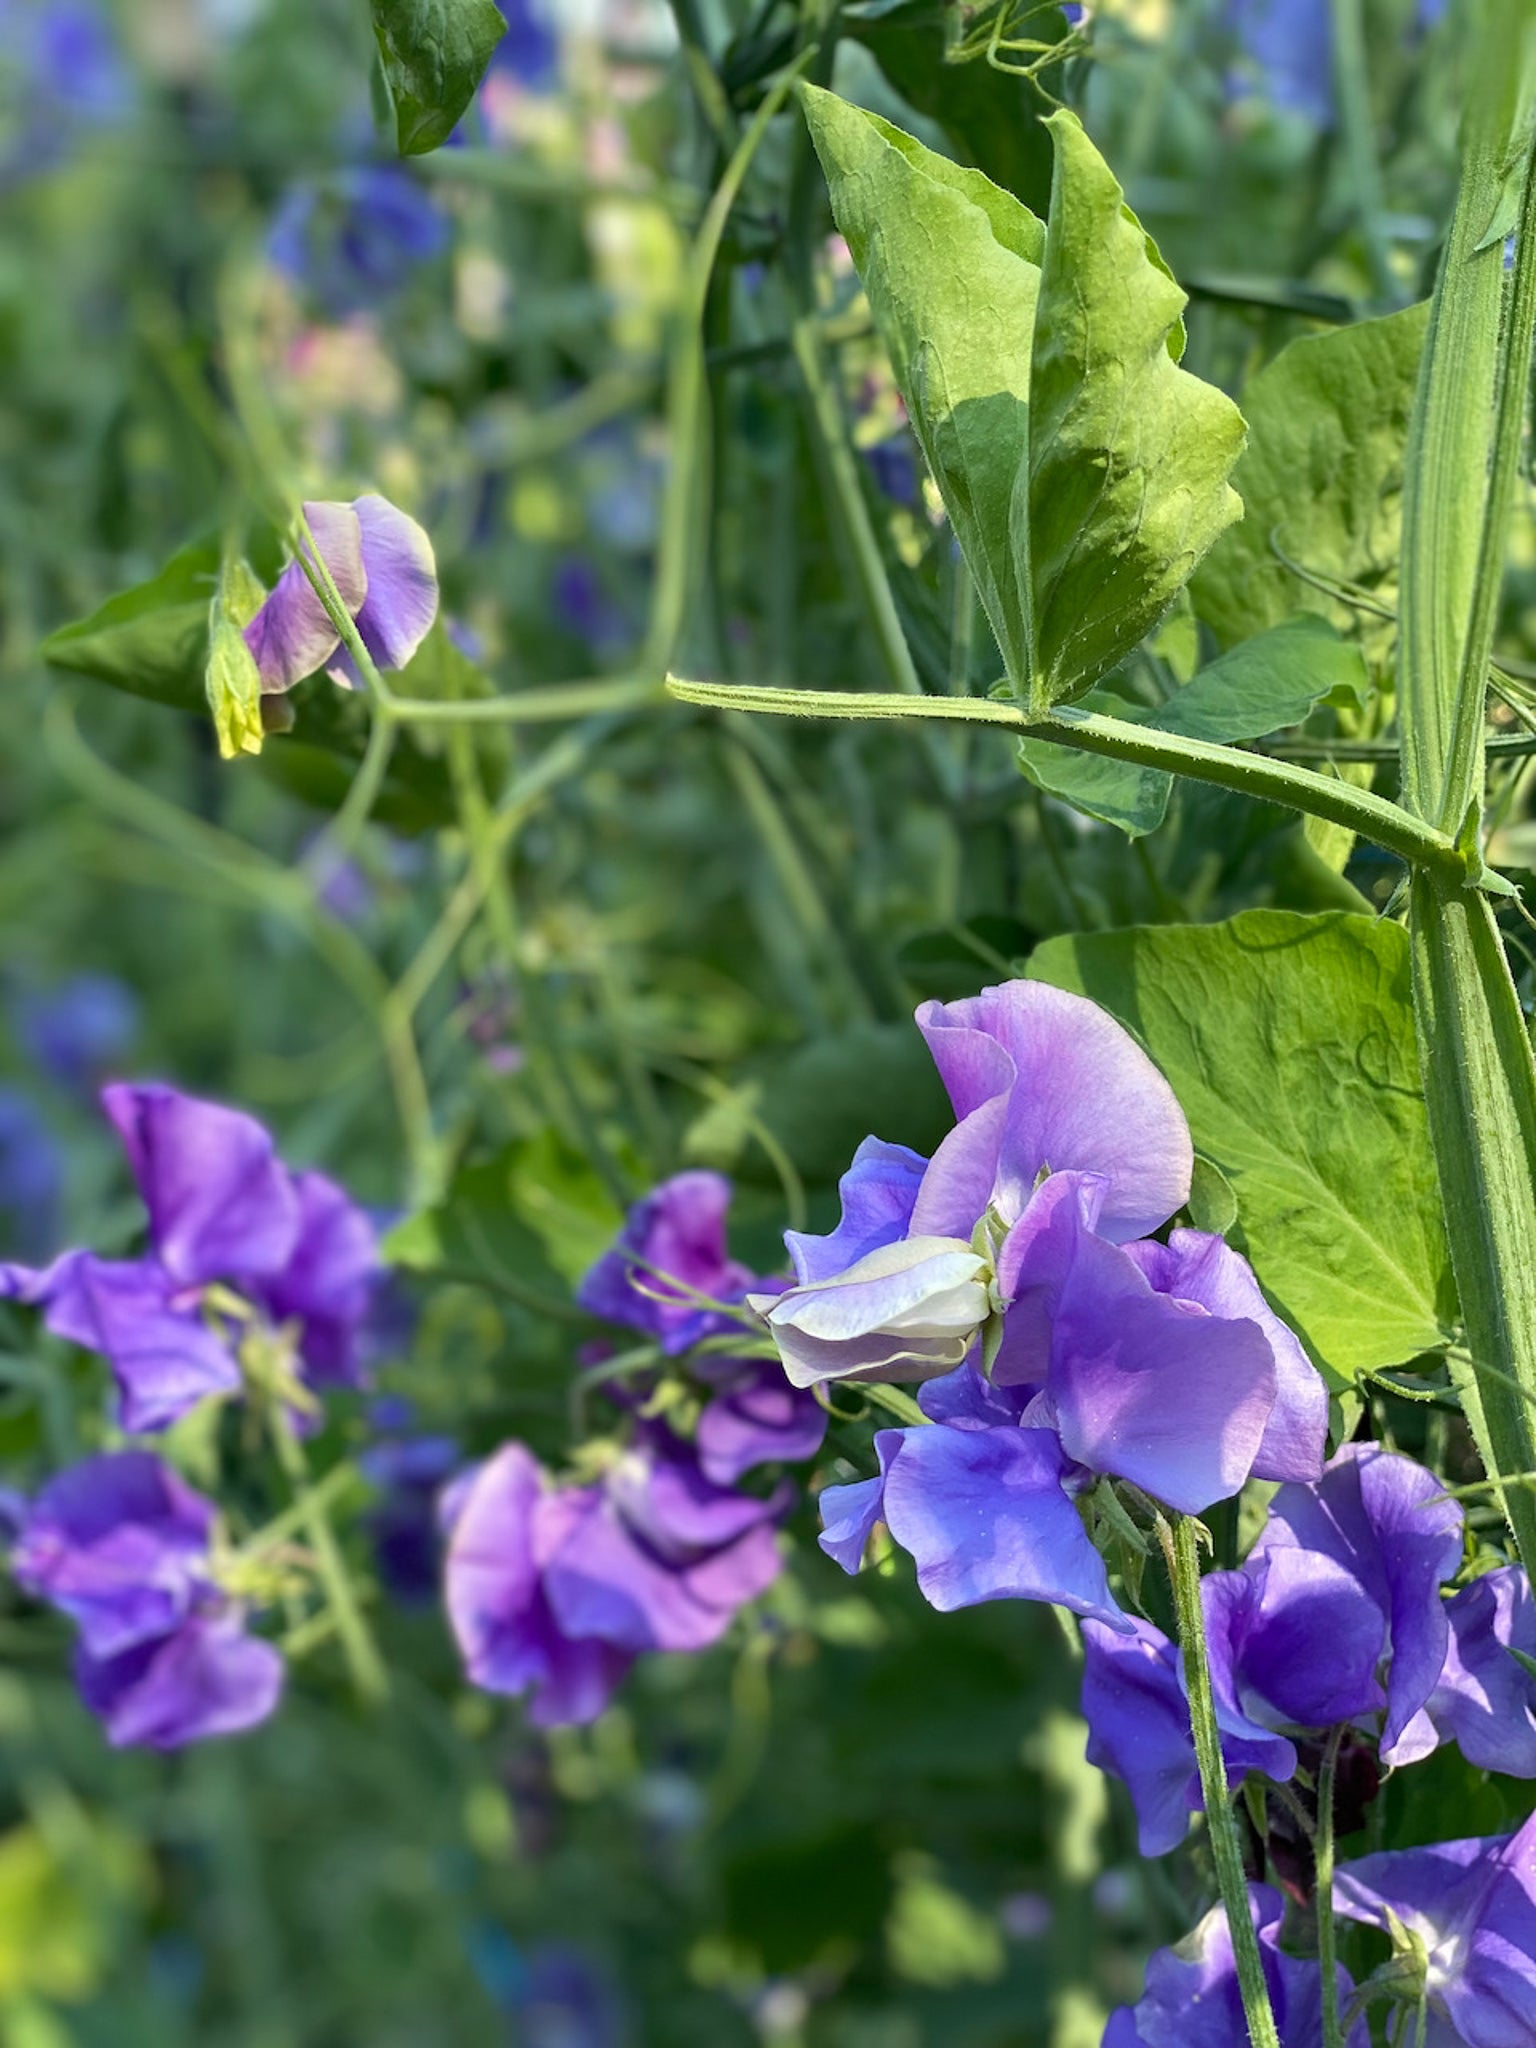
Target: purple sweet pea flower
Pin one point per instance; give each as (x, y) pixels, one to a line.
(754, 1417)
(62, 76)
(1193, 1999)
(382, 565)
(1486, 1699)
(77, 1032)
(1335, 1619)
(355, 239)
(1469, 1909)
(676, 1233)
(554, 1590)
(224, 1212)
(120, 1544)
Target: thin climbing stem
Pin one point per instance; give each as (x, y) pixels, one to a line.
(1182, 1548)
(363, 1660)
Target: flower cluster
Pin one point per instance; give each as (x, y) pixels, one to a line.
(1061, 1342)
(247, 1266)
(122, 1546)
(554, 1588)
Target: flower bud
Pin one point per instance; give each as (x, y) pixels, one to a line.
(906, 1311)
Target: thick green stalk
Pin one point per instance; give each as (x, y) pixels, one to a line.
(1226, 1849)
(1474, 1046)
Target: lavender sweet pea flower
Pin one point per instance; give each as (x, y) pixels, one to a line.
(224, 1214)
(676, 1233)
(1469, 1908)
(1193, 1999)
(554, 1590)
(754, 1417)
(382, 565)
(121, 1545)
(1334, 1619)
(1486, 1699)
(355, 239)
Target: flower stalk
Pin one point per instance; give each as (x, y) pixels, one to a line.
(1181, 1545)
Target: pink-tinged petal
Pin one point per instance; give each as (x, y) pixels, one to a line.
(984, 1515)
(1197, 1266)
(221, 1204)
(292, 635)
(401, 602)
(1078, 1093)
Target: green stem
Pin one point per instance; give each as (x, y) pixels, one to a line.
(1327, 1930)
(1255, 775)
(1226, 1849)
(363, 1660)
(530, 707)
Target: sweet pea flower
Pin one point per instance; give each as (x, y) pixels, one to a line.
(554, 1589)
(1334, 1619)
(237, 1246)
(671, 1250)
(121, 1545)
(382, 565)
(354, 239)
(1486, 1699)
(1161, 1364)
(77, 1032)
(1193, 1999)
(1468, 1910)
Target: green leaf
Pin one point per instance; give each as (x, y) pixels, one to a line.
(1322, 476)
(1267, 683)
(434, 54)
(1212, 1201)
(151, 640)
(1083, 471)
(234, 680)
(1129, 455)
(951, 265)
(1289, 1040)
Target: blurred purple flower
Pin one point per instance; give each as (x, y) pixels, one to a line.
(894, 466)
(1193, 2000)
(410, 1471)
(62, 75)
(554, 1590)
(1486, 1699)
(585, 609)
(676, 1233)
(77, 1032)
(31, 1178)
(1469, 1909)
(529, 53)
(382, 565)
(355, 239)
(567, 1999)
(120, 1544)
(223, 1212)
(1334, 1619)
(754, 1417)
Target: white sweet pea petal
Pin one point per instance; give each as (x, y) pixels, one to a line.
(908, 1310)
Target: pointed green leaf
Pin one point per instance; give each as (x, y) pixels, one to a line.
(151, 640)
(1129, 455)
(1269, 682)
(434, 54)
(1321, 480)
(1289, 1040)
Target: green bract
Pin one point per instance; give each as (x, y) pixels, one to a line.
(1084, 472)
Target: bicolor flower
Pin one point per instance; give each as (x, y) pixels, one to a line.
(1193, 1999)
(1158, 1363)
(1486, 1699)
(553, 1590)
(382, 565)
(121, 1545)
(1334, 1619)
(1467, 1914)
(238, 1246)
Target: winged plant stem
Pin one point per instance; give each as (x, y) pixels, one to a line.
(1474, 1045)
(1327, 1929)
(1183, 1552)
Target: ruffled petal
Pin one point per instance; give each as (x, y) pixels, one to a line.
(1079, 1094)
(878, 1192)
(400, 604)
(292, 635)
(1486, 1699)
(209, 1678)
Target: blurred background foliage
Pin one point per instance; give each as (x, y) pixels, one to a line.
(856, 1824)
